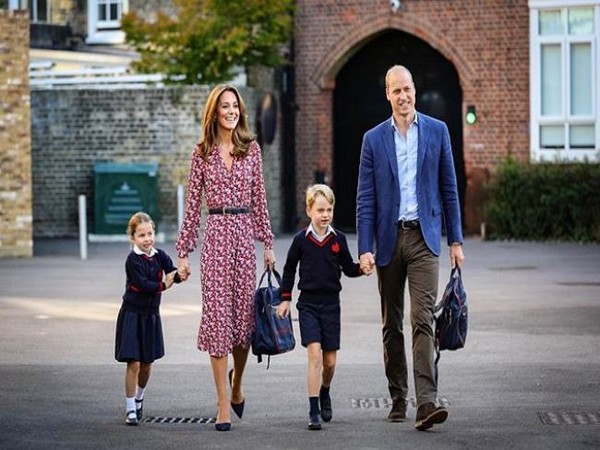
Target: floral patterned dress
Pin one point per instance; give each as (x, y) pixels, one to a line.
(228, 256)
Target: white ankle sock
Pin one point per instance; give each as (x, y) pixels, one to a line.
(129, 404)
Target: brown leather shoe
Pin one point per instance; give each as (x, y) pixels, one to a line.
(398, 412)
(428, 415)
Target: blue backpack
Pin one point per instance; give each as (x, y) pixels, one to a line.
(273, 335)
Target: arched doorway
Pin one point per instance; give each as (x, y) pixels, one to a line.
(359, 103)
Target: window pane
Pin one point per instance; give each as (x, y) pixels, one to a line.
(32, 6)
(551, 80)
(581, 79)
(550, 23)
(42, 11)
(581, 21)
(114, 15)
(101, 11)
(552, 136)
(582, 136)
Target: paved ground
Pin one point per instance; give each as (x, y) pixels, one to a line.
(528, 378)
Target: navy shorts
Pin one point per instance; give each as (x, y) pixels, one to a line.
(320, 323)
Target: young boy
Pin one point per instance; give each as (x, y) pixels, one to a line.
(321, 251)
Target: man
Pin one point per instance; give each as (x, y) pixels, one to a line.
(406, 187)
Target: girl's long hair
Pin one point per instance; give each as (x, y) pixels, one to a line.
(241, 134)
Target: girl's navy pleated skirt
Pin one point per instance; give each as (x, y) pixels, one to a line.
(139, 337)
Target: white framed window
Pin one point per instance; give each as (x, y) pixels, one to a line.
(104, 21)
(565, 80)
(39, 10)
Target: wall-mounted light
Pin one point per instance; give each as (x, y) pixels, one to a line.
(471, 115)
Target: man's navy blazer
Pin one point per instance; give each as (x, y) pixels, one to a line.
(378, 194)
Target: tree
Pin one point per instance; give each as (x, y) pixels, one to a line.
(208, 38)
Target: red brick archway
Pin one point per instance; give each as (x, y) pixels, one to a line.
(325, 71)
(486, 41)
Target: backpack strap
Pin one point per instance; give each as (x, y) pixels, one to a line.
(259, 359)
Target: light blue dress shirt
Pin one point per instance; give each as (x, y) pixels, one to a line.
(406, 155)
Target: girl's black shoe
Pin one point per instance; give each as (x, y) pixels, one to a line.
(131, 418)
(139, 409)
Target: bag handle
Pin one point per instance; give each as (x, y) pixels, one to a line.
(268, 273)
(454, 273)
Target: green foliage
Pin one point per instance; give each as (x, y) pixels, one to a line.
(545, 202)
(209, 37)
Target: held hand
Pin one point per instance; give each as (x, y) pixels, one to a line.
(269, 259)
(183, 268)
(283, 309)
(169, 279)
(456, 256)
(367, 263)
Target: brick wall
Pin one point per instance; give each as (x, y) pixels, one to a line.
(486, 40)
(73, 129)
(148, 9)
(15, 137)
(64, 11)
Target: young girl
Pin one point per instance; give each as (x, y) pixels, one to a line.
(139, 339)
(323, 254)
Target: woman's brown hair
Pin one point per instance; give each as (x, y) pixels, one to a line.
(241, 134)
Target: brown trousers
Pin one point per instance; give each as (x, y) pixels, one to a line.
(413, 261)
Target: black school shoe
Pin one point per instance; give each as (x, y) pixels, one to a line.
(325, 405)
(314, 423)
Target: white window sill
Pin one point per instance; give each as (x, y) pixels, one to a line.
(106, 37)
(568, 156)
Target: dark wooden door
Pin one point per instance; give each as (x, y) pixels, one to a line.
(360, 104)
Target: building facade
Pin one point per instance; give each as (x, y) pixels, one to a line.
(511, 78)
(525, 71)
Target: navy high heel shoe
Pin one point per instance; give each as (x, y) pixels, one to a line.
(223, 426)
(238, 408)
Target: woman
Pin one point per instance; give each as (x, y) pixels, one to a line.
(226, 168)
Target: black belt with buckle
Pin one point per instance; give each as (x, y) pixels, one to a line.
(408, 224)
(226, 210)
